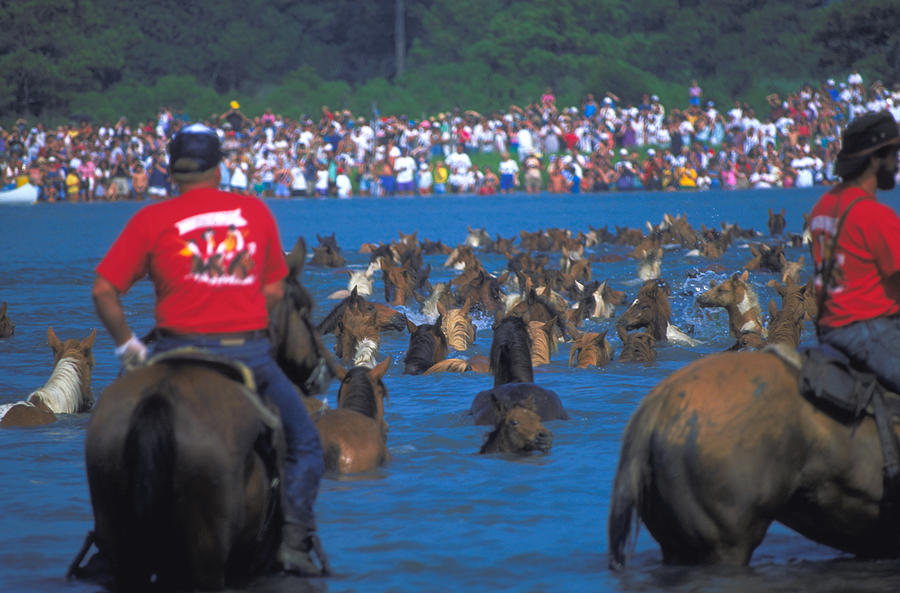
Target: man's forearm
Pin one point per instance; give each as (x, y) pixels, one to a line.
(110, 311)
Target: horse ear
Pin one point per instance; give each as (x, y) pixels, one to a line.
(573, 354)
(442, 310)
(380, 369)
(88, 342)
(528, 403)
(53, 340)
(745, 275)
(500, 407)
(410, 326)
(773, 309)
(3, 309)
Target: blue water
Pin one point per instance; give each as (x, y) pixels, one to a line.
(440, 517)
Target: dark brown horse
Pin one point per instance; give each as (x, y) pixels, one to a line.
(727, 445)
(297, 343)
(354, 435)
(518, 429)
(327, 253)
(67, 391)
(651, 309)
(514, 376)
(427, 346)
(7, 327)
(183, 464)
(638, 347)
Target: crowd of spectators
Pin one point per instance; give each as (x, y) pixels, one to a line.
(600, 145)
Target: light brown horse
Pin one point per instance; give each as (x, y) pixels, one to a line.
(725, 446)
(183, 464)
(354, 435)
(738, 297)
(457, 325)
(543, 343)
(590, 349)
(7, 327)
(67, 391)
(517, 429)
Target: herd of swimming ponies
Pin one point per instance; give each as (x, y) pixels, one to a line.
(536, 307)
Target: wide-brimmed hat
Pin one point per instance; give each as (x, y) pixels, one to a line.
(194, 149)
(864, 135)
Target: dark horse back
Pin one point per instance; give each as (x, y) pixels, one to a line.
(547, 402)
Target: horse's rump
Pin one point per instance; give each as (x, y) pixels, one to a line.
(182, 472)
(547, 403)
(726, 445)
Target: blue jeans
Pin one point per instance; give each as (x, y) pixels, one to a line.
(304, 463)
(872, 345)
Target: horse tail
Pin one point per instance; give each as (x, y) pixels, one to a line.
(149, 456)
(631, 479)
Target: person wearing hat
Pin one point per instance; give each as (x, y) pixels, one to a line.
(207, 306)
(856, 251)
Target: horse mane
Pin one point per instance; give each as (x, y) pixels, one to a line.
(357, 393)
(658, 291)
(364, 356)
(511, 352)
(64, 392)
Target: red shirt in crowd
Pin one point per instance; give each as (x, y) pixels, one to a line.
(867, 255)
(209, 253)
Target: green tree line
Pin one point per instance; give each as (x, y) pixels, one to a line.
(109, 58)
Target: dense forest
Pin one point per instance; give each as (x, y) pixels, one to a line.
(107, 58)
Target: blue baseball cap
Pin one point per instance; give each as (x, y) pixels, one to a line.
(195, 148)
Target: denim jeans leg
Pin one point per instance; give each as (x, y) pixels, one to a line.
(874, 345)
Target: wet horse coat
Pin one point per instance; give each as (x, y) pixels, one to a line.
(514, 376)
(183, 463)
(354, 434)
(726, 445)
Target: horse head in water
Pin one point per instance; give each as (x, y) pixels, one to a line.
(726, 445)
(354, 435)
(590, 349)
(427, 346)
(517, 429)
(327, 253)
(510, 362)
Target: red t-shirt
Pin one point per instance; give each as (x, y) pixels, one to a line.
(209, 253)
(867, 254)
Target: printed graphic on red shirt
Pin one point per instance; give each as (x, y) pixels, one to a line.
(218, 246)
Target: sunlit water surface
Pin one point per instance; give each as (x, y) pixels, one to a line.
(439, 517)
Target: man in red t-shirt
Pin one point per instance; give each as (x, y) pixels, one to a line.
(857, 276)
(217, 264)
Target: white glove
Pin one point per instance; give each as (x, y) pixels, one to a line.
(132, 353)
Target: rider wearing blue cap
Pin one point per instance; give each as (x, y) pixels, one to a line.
(185, 245)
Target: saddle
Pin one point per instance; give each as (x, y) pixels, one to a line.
(233, 369)
(829, 380)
